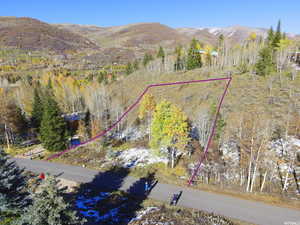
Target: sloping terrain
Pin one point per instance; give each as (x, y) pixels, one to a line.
(32, 34)
(201, 34)
(142, 35)
(233, 33)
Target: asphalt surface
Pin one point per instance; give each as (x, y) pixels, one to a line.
(249, 211)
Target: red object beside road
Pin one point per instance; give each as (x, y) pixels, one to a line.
(42, 176)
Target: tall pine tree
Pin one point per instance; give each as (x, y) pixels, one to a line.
(53, 130)
(194, 57)
(277, 36)
(49, 207)
(129, 68)
(270, 35)
(265, 64)
(37, 110)
(147, 58)
(161, 54)
(13, 195)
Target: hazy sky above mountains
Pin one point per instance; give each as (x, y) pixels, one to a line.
(175, 13)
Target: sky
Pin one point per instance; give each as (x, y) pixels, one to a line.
(174, 13)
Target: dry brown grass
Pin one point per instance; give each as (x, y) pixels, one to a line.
(245, 93)
(32, 34)
(186, 212)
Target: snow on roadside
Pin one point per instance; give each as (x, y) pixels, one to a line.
(144, 212)
(288, 148)
(132, 134)
(291, 144)
(230, 152)
(139, 157)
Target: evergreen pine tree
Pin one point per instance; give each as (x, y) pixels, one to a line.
(53, 131)
(147, 58)
(13, 194)
(277, 36)
(161, 54)
(129, 68)
(270, 36)
(265, 64)
(101, 77)
(49, 207)
(37, 110)
(136, 64)
(194, 57)
(87, 123)
(220, 122)
(220, 41)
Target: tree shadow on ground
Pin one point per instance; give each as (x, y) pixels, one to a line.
(94, 199)
(109, 181)
(101, 201)
(137, 195)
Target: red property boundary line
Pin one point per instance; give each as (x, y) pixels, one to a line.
(139, 99)
(201, 159)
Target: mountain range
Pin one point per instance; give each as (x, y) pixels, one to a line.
(133, 39)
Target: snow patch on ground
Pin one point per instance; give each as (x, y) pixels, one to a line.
(132, 134)
(288, 148)
(230, 152)
(139, 157)
(144, 212)
(285, 146)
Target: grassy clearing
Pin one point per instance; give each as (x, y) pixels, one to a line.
(90, 156)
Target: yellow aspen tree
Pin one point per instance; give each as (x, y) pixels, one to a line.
(146, 109)
(170, 129)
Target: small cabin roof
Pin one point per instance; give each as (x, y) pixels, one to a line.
(74, 116)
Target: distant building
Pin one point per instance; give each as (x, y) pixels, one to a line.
(75, 116)
(295, 57)
(75, 140)
(202, 51)
(213, 53)
(72, 120)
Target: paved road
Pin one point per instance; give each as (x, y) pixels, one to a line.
(253, 212)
